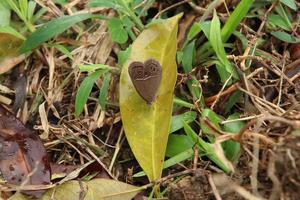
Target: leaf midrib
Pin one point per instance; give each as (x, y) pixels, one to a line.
(155, 109)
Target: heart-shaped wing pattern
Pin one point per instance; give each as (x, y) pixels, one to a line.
(146, 78)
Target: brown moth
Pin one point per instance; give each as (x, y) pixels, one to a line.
(146, 78)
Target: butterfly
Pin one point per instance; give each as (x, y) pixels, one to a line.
(146, 78)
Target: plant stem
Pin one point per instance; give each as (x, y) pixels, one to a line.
(30, 26)
(132, 15)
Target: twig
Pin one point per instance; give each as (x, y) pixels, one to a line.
(242, 119)
(262, 100)
(118, 147)
(213, 187)
(276, 190)
(229, 90)
(220, 92)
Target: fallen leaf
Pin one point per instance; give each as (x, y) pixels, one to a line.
(147, 126)
(9, 52)
(96, 189)
(23, 158)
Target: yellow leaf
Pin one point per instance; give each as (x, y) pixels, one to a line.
(96, 189)
(70, 190)
(110, 189)
(147, 126)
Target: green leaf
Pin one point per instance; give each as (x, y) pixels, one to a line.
(235, 18)
(23, 4)
(61, 2)
(213, 118)
(124, 55)
(283, 36)
(117, 30)
(12, 4)
(52, 29)
(187, 154)
(188, 56)
(179, 56)
(106, 4)
(179, 102)
(127, 22)
(31, 8)
(178, 144)
(212, 151)
(62, 49)
(242, 38)
(93, 67)
(177, 120)
(232, 148)
(187, 63)
(290, 3)
(103, 3)
(277, 20)
(195, 29)
(230, 26)
(234, 127)
(104, 90)
(11, 31)
(205, 27)
(85, 89)
(217, 44)
(283, 14)
(4, 15)
(223, 73)
(147, 126)
(142, 12)
(233, 99)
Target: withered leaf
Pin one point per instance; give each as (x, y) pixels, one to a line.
(23, 158)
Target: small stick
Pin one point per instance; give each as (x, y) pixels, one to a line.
(213, 187)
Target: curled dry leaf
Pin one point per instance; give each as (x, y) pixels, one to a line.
(295, 51)
(23, 158)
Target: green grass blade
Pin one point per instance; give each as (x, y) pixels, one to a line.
(104, 91)
(52, 29)
(290, 3)
(210, 150)
(11, 31)
(4, 14)
(217, 44)
(85, 89)
(178, 144)
(179, 102)
(62, 49)
(283, 36)
(235, 19)
(188, 56)
(177, 120)
(23, 4)
(172, 161)
(15, 8)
